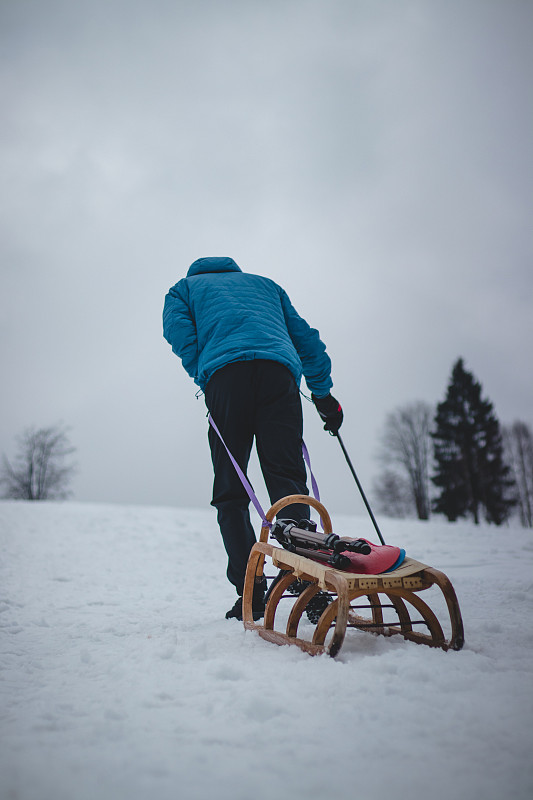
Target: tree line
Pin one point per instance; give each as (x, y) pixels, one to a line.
(455, 459)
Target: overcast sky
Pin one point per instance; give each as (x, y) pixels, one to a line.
(375, 158)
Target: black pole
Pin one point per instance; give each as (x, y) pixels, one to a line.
(372, 517)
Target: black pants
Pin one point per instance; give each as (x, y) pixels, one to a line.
(254, 398)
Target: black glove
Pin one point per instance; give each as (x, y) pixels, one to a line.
(330, 411)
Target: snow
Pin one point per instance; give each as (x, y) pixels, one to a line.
(120, 677)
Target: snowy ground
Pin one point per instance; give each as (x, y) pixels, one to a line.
(120, 677)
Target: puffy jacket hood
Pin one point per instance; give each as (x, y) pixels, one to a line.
(213, 264)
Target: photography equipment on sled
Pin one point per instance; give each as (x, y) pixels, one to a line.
(304, 539)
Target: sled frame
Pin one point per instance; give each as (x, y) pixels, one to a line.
(400, 588)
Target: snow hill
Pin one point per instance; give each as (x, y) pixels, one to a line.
(120, 679)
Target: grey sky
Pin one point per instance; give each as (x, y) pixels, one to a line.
(372, 157)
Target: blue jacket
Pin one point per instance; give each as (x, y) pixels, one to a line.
(219, 314)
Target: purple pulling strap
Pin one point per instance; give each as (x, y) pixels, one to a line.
(246, 483)
(314, 484)
(244, 480)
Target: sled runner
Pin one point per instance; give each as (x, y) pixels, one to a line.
(331, 596)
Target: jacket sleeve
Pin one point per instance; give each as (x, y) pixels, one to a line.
(179, 328)
(316, 364)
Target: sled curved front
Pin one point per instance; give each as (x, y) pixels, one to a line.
(399, 588)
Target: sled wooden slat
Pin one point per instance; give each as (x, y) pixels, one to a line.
(400, 589)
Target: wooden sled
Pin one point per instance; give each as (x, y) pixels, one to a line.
(400, 587)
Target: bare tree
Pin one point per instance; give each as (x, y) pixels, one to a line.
(518, 447)
(406, 448)
(39, 471)
(393, 495)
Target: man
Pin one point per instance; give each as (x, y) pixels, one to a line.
(243, 343)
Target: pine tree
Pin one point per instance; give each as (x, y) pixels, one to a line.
(470, 470)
